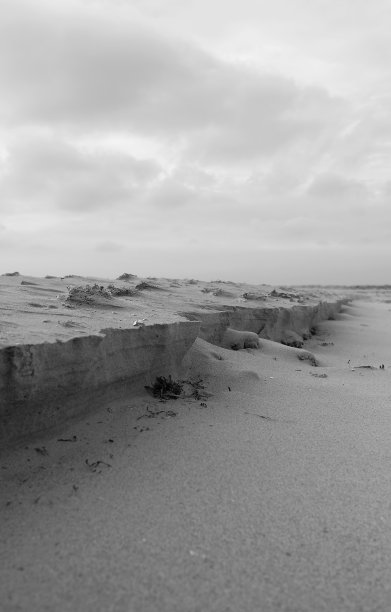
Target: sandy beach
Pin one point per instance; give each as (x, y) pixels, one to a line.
(195, 306)
(265, 488)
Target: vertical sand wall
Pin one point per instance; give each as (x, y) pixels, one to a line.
(44, 385)
(276, 323)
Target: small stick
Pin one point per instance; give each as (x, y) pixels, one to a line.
(261, 416)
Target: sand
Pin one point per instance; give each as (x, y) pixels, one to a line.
(38, 309)
(70, 345)
(269, 491)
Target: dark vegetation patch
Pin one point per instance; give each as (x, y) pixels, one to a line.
(217, 292)
(253, 296)
(85, 294)
(126, 276)
(308, 357)
(72, 276)
(284, 295)
(154, 414)
(168, 388)
(120, 291)
(143, 285)
(196, 388)
(318, 375)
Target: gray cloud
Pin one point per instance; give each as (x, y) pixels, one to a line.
(109, 246)
(43, 172)
(99, 73)
(328, 185)
(169, 194)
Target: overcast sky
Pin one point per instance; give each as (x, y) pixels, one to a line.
(235, 139)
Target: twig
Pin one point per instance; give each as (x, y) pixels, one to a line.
(261, 416)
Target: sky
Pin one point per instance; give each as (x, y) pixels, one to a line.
(242, 140)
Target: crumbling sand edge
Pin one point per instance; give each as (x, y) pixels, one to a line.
(269, 322)
(44, 385)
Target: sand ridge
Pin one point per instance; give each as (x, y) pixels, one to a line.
(37, 309)
(68, 349)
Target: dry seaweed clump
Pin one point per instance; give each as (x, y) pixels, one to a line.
(120, 291)
(86, 294)
(166, 388)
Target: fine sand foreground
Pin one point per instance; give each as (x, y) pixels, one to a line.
(265, 488)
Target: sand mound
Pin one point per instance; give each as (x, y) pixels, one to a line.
(237, 340)
(282, 351)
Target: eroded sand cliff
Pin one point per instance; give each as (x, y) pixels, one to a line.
(65, 350)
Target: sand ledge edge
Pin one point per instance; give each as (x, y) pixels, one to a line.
(44, 385)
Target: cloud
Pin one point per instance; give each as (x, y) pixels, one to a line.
(108, 246)
(169, 194)
(121, 135)
(44, 172)
(100, 72)
(328, 185)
